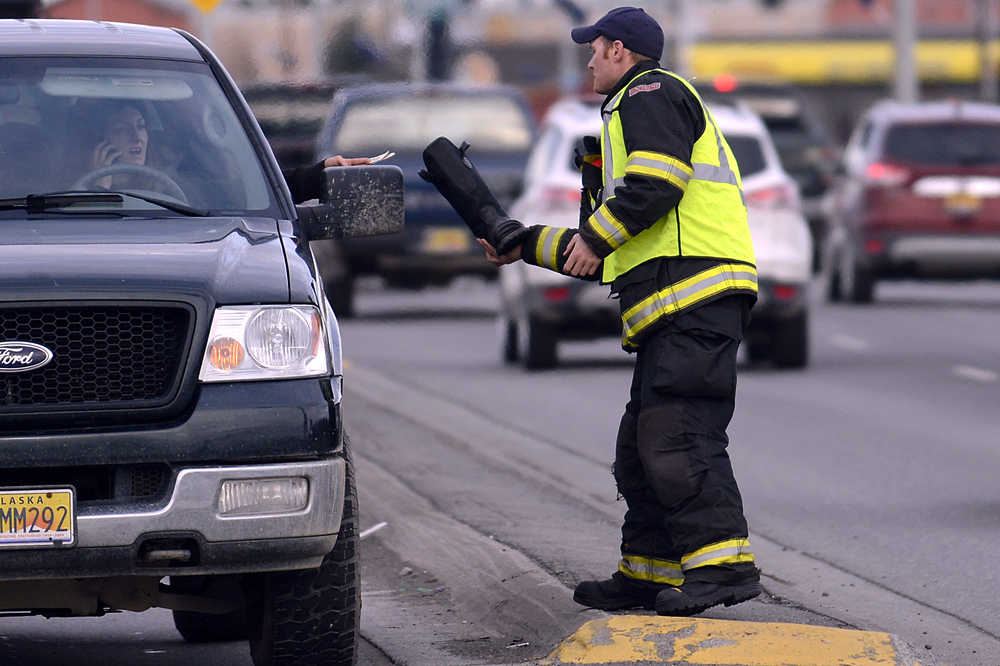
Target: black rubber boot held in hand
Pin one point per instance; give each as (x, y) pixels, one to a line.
(457, 179)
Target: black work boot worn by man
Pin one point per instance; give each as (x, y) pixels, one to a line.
(449, 169)
(704, 587)
(617, 593)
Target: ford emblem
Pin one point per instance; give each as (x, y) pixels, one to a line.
(16, 356)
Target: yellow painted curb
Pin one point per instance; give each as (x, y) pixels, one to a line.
(669, 640)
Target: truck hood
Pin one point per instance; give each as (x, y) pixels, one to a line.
(216, 260)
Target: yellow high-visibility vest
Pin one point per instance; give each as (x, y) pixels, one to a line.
(709, 222)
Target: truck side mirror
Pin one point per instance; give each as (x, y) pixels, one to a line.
(356, 201)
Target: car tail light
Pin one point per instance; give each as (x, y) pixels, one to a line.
(778, 196)
(556, 294)
(874, 246)
(886, 175)
(560, 198)
(786, 292)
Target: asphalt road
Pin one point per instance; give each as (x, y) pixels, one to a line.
(878, 463)
(869, 480)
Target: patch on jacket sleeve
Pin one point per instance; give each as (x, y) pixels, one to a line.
(646, 87)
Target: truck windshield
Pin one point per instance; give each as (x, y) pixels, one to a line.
(409, 123)
(161, 129)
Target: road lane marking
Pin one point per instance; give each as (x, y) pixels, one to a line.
(849, 342)
(372, 530)
(975, 374)
(671, 640)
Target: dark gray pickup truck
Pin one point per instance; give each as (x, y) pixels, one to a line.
(170, 369)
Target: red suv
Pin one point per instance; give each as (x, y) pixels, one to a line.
(918, 195)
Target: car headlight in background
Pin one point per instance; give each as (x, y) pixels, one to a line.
(264, 342)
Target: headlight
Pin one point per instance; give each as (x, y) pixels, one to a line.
(264, 342)
(262, 496)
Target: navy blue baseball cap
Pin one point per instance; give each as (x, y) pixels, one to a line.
(631, 26)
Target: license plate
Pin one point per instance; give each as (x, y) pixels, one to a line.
(962, 204)
(31, 518)
(446, 240)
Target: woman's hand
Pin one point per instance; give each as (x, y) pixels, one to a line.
(337, 160)
(105, 155)
(497, 259)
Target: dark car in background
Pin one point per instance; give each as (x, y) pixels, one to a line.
(806, 151)
(291, 113)
(918, 196)
(436, 246)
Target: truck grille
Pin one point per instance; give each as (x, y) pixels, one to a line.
(103, 356)
(125, 483)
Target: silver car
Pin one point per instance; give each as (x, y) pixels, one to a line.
(539, 308)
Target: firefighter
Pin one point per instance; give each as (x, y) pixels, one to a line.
(664, 222)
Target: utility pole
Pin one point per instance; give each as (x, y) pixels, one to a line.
(986, 26)
(905, 41)
(683, 37)
(568, 65)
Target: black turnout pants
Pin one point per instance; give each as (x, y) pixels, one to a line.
(671, 464)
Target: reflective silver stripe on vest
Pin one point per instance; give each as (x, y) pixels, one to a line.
(607, 155)
(668, 300)
(608, 227)
(732, 551)
(710, 172)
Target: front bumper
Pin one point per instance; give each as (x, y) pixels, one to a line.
(114, 540)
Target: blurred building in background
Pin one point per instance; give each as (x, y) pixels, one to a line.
(175, 13)
(840, 52)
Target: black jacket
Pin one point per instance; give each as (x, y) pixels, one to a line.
(658, 114)
(304, 182)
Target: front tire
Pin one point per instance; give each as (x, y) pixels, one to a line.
(311, 616)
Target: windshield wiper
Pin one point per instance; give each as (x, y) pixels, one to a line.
(175, 206)
(39, 203)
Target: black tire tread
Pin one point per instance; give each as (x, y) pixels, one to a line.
(314, 614)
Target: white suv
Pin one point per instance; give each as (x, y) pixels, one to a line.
(540, 307)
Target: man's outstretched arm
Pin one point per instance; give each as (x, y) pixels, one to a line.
(556, 248)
